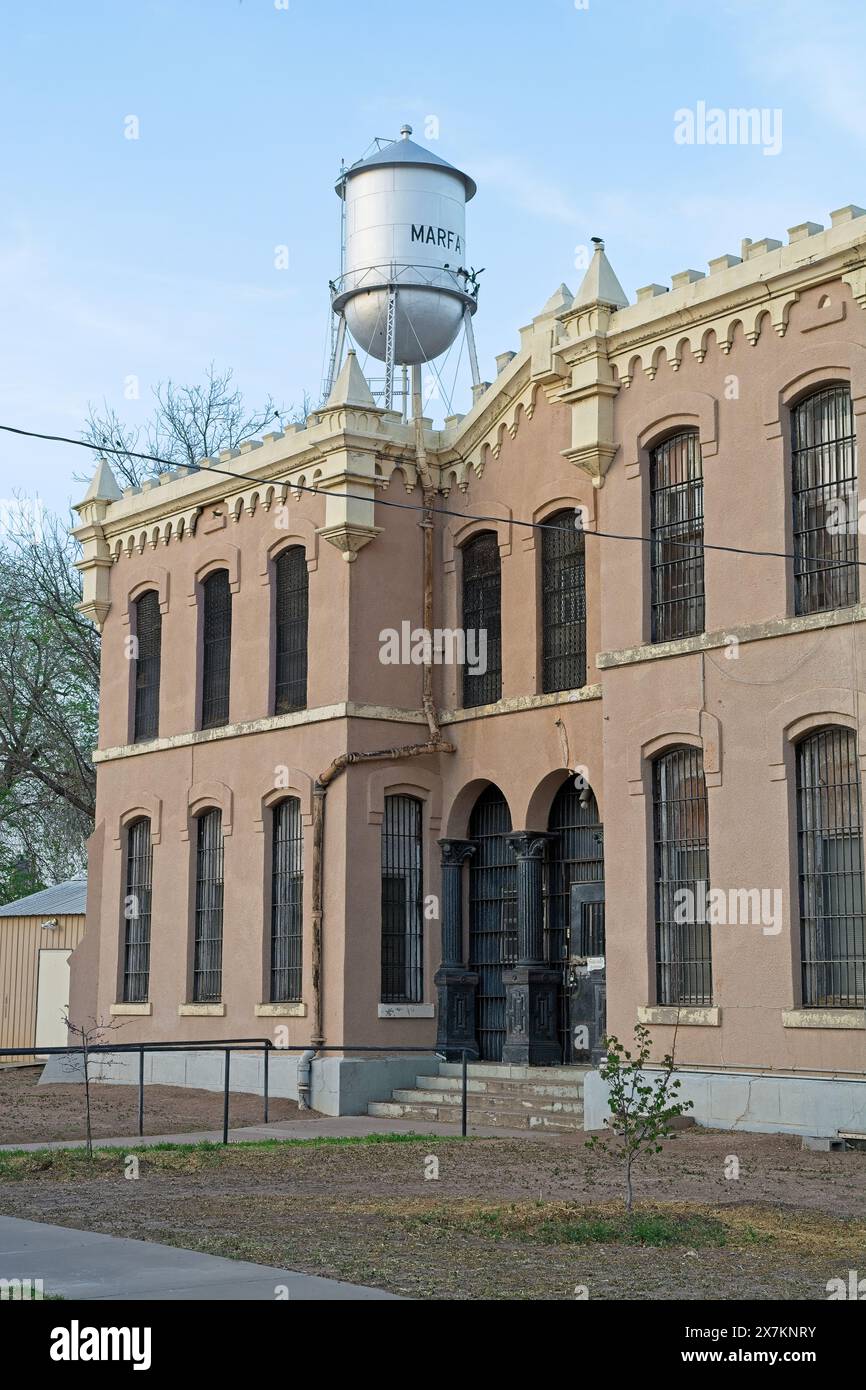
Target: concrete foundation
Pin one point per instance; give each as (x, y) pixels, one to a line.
(340, 1085)
(769, 1104)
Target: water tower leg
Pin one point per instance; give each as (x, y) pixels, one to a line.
(335, 363)
(470, 343)
(389, 348)
(405, 371)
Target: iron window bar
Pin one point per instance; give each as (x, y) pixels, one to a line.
(830, 870)
(216, 650)
(148, 633)
(292, 614)
(563, 604)
(287, 899)
(137, 910)
(207, 961)
(681, 846)
(482, 602)
(402, 901)
(677, 538)
(824, 474)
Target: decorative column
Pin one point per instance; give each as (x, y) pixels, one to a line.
(531, 987)
(455, 984)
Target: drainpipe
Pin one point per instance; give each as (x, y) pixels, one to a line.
(435, 744)
(305, 1073)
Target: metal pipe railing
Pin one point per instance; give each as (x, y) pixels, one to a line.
(227, 1046)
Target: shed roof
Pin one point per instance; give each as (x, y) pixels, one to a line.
(68, 898)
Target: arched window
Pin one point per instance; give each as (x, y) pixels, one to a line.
(402, 901)
(563, 604)
(291, 609)
(830, 861)
(148, 633)
(208, 956)
(682, 871)
(492, 916)
(482, 597)
(216, 649)
(287, 901)
(824, 477)
(136, 912)
(677, 537)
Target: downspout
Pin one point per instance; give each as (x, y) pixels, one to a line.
(435, 743)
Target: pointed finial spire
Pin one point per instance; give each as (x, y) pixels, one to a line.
(103, 485)
(600, 285)
(351, 387)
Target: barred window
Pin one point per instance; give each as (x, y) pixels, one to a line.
(563, 602)
(682, 872)
(207, 962)
(830, 855)
(148, 633)
(216, 649)
(482, 599)
(136, 912)
(824, 464)
(402, 901)
(287, 897)
(677, 538)
(291, 630)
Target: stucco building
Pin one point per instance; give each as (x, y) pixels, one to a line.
(668, 721)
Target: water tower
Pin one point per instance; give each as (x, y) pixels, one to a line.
(405, 289)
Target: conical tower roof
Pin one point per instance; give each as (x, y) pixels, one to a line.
(405, 151)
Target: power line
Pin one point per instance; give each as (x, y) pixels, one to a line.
(419, 507)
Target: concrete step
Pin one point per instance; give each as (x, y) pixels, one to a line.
(483, 1118)
(515, 1101)
(477, 1086)
(499, 1071)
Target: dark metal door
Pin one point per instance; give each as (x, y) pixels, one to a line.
(575, 857)
(585, 983)
(492, 917)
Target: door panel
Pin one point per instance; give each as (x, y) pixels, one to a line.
(52, 997)
(585, 987)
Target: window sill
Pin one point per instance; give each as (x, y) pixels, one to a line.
(824, 1018)
(131, 1010)
(407, 1011)
(686, 1015)
(201, 1010)
(296, 1010)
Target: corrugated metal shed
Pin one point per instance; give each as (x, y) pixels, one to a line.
(22, 937)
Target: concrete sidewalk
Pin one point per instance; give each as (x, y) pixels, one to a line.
(87, 1265)
(313, 1127)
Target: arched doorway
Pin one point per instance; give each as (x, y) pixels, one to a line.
(575, 920)
(492, 916)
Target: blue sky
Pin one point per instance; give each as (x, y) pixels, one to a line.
(152, 257)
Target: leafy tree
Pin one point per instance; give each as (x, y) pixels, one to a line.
(642, 1112)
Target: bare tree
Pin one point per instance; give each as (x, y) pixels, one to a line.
(189, 423)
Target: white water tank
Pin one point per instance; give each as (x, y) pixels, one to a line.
(405, 230)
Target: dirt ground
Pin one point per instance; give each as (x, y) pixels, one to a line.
(32, 1114)
(498, 1222)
